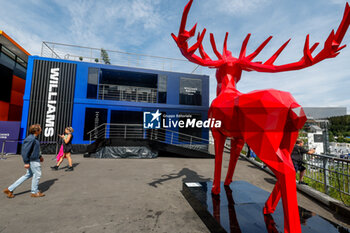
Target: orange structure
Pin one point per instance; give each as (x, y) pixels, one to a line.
(13, 68)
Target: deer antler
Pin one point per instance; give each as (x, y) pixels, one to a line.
(184, 36)
(331, 49)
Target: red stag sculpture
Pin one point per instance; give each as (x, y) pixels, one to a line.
(267, 120)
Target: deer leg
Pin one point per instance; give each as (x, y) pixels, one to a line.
(286, 180)
(275, 196)
(287, 144)
(236, 148)
(219, 142)
(271, 203)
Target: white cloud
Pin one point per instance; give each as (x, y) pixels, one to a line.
(145, 26)
(340, 2)
(321, 85)
(239, 7)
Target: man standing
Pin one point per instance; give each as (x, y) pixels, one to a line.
(297, 158)
(31, 158)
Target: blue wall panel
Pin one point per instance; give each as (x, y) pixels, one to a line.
(81, 102)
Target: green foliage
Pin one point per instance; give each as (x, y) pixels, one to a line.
(339, 127)
(341, 138)
(104, 56)
(335, 179)
(331, 136)
(338, 178)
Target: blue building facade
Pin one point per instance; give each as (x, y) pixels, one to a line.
(61, 93)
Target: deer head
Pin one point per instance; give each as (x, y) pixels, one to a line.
(245, 62)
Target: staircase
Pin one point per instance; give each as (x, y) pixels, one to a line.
(164, 141)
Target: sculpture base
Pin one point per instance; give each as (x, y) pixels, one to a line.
(239, 208)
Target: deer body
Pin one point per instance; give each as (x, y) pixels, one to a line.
(267, 120)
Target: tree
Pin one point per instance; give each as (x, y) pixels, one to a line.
(331, 136)
(104, 56)
(341, 138)
(340, 127)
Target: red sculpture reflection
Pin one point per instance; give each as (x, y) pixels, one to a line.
(267, 120)
(234, 224)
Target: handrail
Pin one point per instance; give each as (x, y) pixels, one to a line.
(4, 141)
(330, 156)
(51, 49)
(96, 128)
(115, 57)
(141, 125)
(136, 131)
(114, 51)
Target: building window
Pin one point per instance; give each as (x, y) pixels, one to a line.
(15, 63)
(8, 53)
(20, 71)
(22, 63)
(126, 124)
(6, 83)
(93, 118)
(127, 86)
(190, 91)
(6, 60)
(162, 89)
(92, 83)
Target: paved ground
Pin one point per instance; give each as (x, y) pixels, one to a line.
(126, 195)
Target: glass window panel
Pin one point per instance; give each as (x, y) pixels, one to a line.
(93, 118)
(6, 83)
(127, 86)
(7, 61)
(93, 76)
(21, 62)
(92, 83)
(133, 130)
(20, 71)
(8, 53)
(162, 88)
(190, 91)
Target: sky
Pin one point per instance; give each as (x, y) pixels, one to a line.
(144, 27)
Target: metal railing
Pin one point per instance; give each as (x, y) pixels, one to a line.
(136, 131)
(88, 54)
(127, 93)
(331, 175)
(4, 142)
(330, 172)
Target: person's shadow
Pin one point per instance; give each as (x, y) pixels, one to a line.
(189, 176)
(65, 167)
(43, 187)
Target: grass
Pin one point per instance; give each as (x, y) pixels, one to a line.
(333, 180)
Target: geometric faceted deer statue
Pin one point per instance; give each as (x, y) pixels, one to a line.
(267, 120)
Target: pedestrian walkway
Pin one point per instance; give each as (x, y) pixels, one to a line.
(120, 195)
